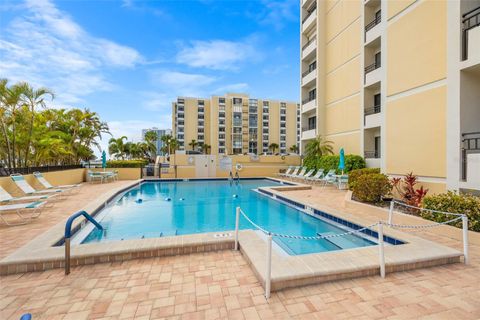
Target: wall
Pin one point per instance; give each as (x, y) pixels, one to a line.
(124, 173)
(55, 178)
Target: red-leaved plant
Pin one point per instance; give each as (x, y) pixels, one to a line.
(407, 191)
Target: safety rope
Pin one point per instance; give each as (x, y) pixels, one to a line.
(424, 209)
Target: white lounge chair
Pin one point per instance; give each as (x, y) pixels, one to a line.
(28, 189)
(306, 175)
(288, 171)
(317, 177)
(32, 207)
(47, 184)
(294, 173)
(7, 197)
(300, 174)
(329, 177)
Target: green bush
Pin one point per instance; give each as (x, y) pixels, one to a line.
(352, 162)
(371, 187)
(455, 203)
(127, 163)
(354, 174)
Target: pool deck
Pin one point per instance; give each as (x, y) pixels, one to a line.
(217, 285)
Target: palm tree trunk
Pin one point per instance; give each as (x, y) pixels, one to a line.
(7, 142)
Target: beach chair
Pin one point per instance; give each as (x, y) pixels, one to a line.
(31, 207)
(294, 173)
(329, 178)
(306, 175)
(317, 177)
(7, 197)
(300, 174)
(95, 176)
(288, 171)
(47, 184)
(27, 188)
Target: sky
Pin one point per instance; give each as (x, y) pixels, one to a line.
(128, 60)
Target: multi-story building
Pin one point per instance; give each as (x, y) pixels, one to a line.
(160, 133)
(398, 82)
(236, 124)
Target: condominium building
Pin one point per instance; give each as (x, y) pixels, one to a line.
(398, 82)
(236, 124)
(160, 133)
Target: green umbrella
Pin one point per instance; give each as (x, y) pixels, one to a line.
(341, 163)
(104, 160)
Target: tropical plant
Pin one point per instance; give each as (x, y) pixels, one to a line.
(294, 148)
(170, 144)
(456, 203)
(407, 191)
(273, 146)
(371, 187)
(206, 148)
(137, 163)
(355, 174)
(352, 162)
(318, 147)
(193, 144)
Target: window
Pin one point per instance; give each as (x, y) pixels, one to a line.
(237, 119)
(181, 122)
(378, 59)
(221, 129)
(221, 122)
(200, 130)
(312, 94)
(221, 150)
(283, 138)
(312, 66)
(283, 118)
(283, 111)
(200, 137)
(221, 143)
(221, 136)
(265, 117)
(378, 15)
(377, 147)
(201, 102)
(265, 124)
(200, 123)
(282, 125)
(237, 130)
(265, 131)
(283, 131)
(376, 100)
(180, 136)
(180, 108)
(265, 103)
(201, 109)
(181, 116)
(265, 110)
(221, 114)
(221, 100)
(201, 116)
(182, 101)
(237, 100)
(312, 123)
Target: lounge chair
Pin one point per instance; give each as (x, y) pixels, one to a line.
(32, 207)
(294, 173)
(47, 184)
(306, 175)
(300, 174)
(28, 189)
(329, 177)
(7, 197)
(92, 176)
(317, 177)
(288, 171)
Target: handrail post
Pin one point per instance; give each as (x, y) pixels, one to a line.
(67, 256)
(465, 238)
(237, 225)
(268, 273)
(390, 212)
(381, 249)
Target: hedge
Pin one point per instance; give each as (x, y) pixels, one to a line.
(354, 174)
(455, 203)
(127, 163)
(352, 162)
(372, 187)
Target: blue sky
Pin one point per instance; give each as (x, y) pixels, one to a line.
(127, 60)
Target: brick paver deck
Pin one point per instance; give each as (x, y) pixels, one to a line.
(221, 285)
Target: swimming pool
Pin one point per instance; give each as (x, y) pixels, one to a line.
(169, 208)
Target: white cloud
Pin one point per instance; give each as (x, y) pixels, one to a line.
(44, 46)
(278, 12)
(217, 54)
(182, 84)
(232, 88)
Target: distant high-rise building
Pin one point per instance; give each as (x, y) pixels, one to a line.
(236, 124)
(160, 133)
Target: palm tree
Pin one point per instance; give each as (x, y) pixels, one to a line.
(116, 147)
(273, 147)
(193, 144)
(294, 148)
(318, 147)
(206, 148)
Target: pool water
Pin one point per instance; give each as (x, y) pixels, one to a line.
(156, 209)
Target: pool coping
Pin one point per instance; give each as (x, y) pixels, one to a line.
(287, 271)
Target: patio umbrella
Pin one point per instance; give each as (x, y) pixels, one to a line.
(341, 163)
(104, 160)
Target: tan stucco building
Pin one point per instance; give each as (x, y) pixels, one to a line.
(397, 82)
(236, 124)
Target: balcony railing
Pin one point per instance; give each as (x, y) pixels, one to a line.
(470, 144)
(310, 11)
(470, 20)
(309, 99)
(308, 72)
(372, 24)
(308, 43)
(372, 67)
(372, 154)
(373, 110)
(308, 128)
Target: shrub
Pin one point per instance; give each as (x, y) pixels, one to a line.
(354, 174)
(371, 187)
(455, 203)
(407, 191)
(127, 163)
(352, 162)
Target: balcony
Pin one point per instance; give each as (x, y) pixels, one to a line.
(372, 31)
(372, 117)
(309, 104)
(309, 48)
(309, 133)
(308, 77)
(309, 21)
(372, 73)
(471, 35)
(471, 159)
(372, 159)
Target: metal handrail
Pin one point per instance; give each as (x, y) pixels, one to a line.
(470, 20)
(68, 234)
(371, 155)
(308, 99)
(308, 43)
(372, 67)
(308, 72)
(310, 11)
(372, 24)
(373, 110)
